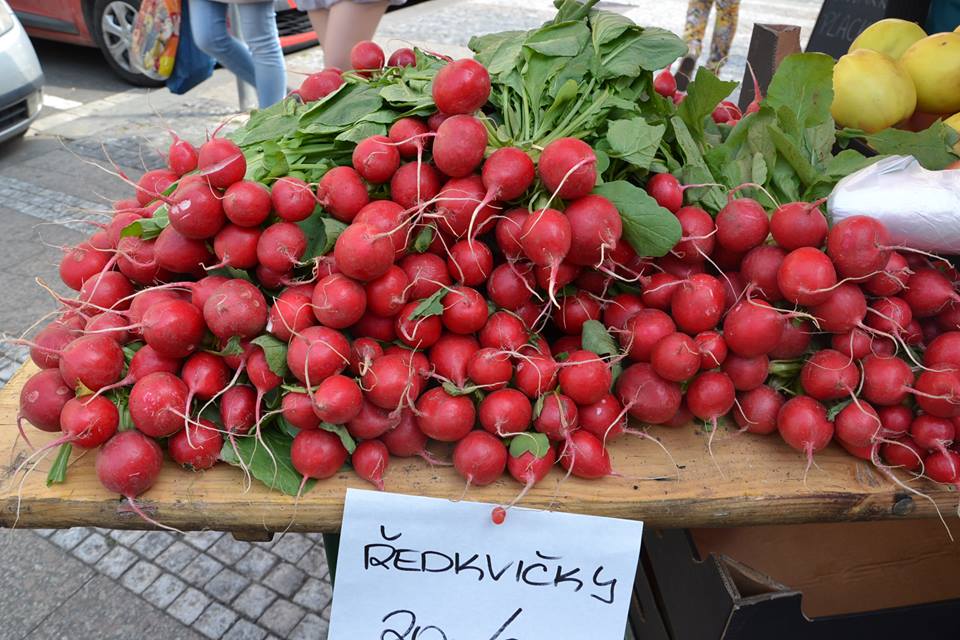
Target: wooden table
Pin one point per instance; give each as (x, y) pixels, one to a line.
(754, 480)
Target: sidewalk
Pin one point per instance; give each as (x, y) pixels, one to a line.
(94, 583)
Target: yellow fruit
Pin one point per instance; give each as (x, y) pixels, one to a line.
(934, 65)
(891, 36)
(871, 91)
(954, 123)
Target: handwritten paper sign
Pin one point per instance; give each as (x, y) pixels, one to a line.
(413, 568)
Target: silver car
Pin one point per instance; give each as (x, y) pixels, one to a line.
(21, 80)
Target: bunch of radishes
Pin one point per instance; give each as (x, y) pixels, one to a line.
(488, 301)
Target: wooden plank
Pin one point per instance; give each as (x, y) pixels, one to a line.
(753, 480)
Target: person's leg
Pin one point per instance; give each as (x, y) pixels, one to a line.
(349, 23)
(258, 25)
(728, 12)
(208, 24)
(696, 26)
(318, 19)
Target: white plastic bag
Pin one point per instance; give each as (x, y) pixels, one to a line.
(920, 208)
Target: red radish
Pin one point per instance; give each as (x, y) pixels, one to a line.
(389, 219)
(205, 375)
(511, 286)
(89, 422)
(320, 84)
(376, 159)
(370, 460)
(675, 357)
(742, 224)
(464, 310)
(698, 231)
(414, 184)
(444, 417)
(366, 55)
(197, 447)
(858, 246)
(157, 403)
(490, 368)
(584, 456)
(528, 470)
(450, 354)
(806, 276)
(595, 229)
(943, 467)
(129, 464)
(757, 409)
(174, 328)
(222, 162)
(180, 254)
(371, 421)
(238, 409)
(317, 454)
(427, 274)
(342, 192)
(536, 373)
(558, 417)
(666, 190)
(759, 268)
(829, 375)
(93, 361)
(503, 331)
(892, 280)
(107, 290)
(406, 439)
(290, 314)
(338, 301)
(120, 221)
(196, 212)
(938, 392)
(648, 397)
(605, 418)
(890, 315)
(292, 199)
(665, 84)
(546, 237)
(457, 206)
(895, 420)
(505, 412)
(568, 168)
(42, 398)
(480, 458)
(585, 378)
(137, 260)
(507, 173)
(403, 57)
(944, 349)
(928, 292)
(798, 224)
(337, 400)
(930, 432)
(857, 424)
(363, 253)
(316, 354)
(803, 425)
(459, 145)
(726, 113)
(712, 349)
(658, 291)
(508, 232)
(643, 331)
(675, 266)
(182, 157)
(746, 373)
(698, 303)
(418, 333)
(389, 382)
(49, 342)
(843, 311)
(409, 134)
(886, 380)
(566, 274)
(470, 262)
(710, 395)
(903, 453)
(236, 308)
(297, 409)
(574, 311)
(80, 263)
(281, 246)
(753, 328)
(461, 86)
(372, 326)
(363, 352)
(795, 340)
(153, 183)
(619, 308)
(386, 295)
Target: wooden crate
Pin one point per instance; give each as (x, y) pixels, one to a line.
(752, 480)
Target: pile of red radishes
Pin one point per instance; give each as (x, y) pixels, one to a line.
(489, 300)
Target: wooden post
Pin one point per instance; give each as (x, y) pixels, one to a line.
(769, 45)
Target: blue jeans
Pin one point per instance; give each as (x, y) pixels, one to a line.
(259, 62)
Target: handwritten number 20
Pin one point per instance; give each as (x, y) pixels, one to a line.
(418, 632)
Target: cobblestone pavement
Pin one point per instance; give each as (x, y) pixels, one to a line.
(206, 584)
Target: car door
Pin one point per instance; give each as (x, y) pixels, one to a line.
(53, 19)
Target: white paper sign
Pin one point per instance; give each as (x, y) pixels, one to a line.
(413, 568)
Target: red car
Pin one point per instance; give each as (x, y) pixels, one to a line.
(108, 25)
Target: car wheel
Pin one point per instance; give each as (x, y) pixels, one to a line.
(113, 22)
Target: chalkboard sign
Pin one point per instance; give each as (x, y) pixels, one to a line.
(841, 21)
